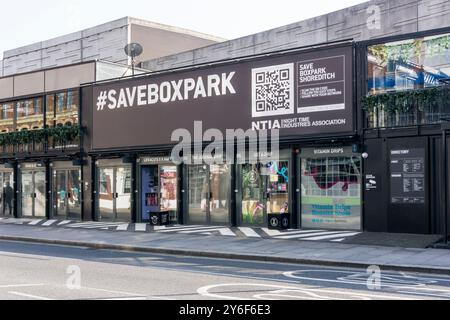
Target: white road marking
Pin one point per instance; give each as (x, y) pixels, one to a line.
(310, 235)
(63, 223)
(18, 221)
(94, 225)
(124, 293)
(203, 230)
(35, 222)
(271, 233)
(187, 229)
(20, 285)
(123, 227)
(395, 284)
(141, 227)
(174, 228)
(227, 232)
(204, 291)
(49, 223)
(286, 235)
(298, 236)
(20, 294)
(350, 234)
(249, 232)
(276, 233)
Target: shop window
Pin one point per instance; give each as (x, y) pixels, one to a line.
(7, 118)
(408, 71)
(66, 108)
(30, 114)
(62, 109)
(265, 190)
(331, 192)
(50, 111)
(159, 185)
(410, 64)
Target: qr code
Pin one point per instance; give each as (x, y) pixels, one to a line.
(273, 90)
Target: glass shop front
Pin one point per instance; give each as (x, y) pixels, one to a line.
(32, 190)
(330, 188)
(66, 190)
(264, 190)
(7, 191)
(158, 181)
(114, 191)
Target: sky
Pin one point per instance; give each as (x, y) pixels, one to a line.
(25, 22)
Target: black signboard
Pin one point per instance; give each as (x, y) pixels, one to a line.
(300, 93)
(408, 176)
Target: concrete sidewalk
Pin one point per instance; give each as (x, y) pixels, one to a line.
(318, 253)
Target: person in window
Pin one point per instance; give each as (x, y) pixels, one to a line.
(8, 196)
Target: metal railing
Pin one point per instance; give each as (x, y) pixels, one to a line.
(407, 108)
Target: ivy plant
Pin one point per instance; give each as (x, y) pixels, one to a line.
(405, 101)
(61, 135)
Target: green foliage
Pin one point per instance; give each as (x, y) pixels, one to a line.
(411, 50)
(405, 101)
(60, 135)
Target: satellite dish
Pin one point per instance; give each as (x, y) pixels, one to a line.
(133, 50)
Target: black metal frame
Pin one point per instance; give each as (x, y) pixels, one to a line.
(139, 193)
(445, 175)
(361, 61)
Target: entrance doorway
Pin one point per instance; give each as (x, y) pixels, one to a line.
(7, 192)
(209, 194)
(33, 200)
(265, 190)
(67, 194)
(114, 193)
(159, 190)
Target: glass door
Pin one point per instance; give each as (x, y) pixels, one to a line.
(39, 194)
(60, 194)
(198, 194)
(209, 194)
(27, 196)
(122, 193)
(265, 190)
(169, 187)
(66, 194)
(106, 194)
(253, 199)
(114, 194)
(278, 188)
(7, 193)
(220, 185)
(33, 194)
(74, 195)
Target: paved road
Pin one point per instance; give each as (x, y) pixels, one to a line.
(47, 272)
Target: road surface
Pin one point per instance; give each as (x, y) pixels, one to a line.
(52, 272)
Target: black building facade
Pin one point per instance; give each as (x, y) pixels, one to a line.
(361, 143)
(406, 83)
(306, 93)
